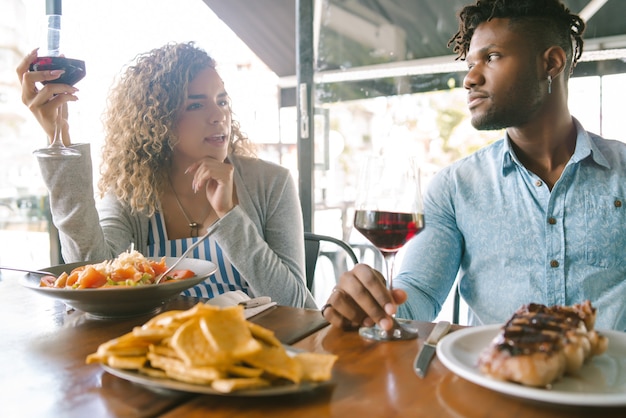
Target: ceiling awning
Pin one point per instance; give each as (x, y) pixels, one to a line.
(268, 27)
(392, 34)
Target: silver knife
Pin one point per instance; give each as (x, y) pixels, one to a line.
(428, 349)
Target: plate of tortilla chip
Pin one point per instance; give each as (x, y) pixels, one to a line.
(212, 350)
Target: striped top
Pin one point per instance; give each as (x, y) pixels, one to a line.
(225, 279)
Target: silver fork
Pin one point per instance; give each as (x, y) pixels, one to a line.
(185, 254)
(42, 272)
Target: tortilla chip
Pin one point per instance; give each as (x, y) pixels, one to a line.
(125, 341)
(200, 309)
(227, 332)
(163, 350)
(161, 326)
(185, 376)
(177, 369)
(95, 358)
(154, 334)
(164, 319)
(127, 362)
(276, 362)
(316, 367)
(126, 345)
(263, 334)
(244, 371)
(231, 385)
(163, 362)
(152, 372)
(192, 346)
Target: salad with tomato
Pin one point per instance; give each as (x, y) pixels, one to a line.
(128, 269)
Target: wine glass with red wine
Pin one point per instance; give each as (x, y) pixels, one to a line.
(389, 212)
(52, 59)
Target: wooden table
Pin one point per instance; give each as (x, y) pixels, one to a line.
(43, 372)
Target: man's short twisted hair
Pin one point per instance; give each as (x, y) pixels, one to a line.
(546, 22)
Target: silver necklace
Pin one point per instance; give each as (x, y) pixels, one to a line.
(193, 225)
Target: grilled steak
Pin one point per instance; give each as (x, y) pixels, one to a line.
(540, 344)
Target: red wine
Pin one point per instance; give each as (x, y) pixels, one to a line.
(74, 69)
(388, 231)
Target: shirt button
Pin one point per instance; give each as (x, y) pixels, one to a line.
(554, 263)
(538, 183)
(551, 221)
(618, 203)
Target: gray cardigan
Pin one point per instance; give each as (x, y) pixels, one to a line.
(262, 236)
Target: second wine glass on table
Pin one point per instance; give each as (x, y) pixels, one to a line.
(389, 212)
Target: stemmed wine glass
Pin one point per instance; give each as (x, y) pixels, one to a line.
(389, 212)
(54, 60)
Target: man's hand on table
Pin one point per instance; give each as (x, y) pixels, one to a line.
(362, 299)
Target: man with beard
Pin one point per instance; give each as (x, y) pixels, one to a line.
(538, 216)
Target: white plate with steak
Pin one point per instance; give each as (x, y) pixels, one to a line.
(600, 382)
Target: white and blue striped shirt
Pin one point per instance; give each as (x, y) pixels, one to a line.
(225, 279)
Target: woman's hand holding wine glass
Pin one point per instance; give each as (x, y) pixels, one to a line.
(57, 74)
(48, 103)
(389, 212)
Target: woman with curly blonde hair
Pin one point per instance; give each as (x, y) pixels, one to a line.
(175, 164)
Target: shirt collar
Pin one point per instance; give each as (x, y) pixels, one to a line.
(585, 147)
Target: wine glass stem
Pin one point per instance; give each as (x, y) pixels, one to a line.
(57, 141)
(390, 257)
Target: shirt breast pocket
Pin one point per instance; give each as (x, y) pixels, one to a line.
(605, 234)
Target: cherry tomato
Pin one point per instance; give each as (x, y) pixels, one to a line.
(47, 281)
(180, 274)
(158, 267)
(91, 278)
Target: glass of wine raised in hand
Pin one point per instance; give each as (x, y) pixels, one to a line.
(52, 59)
(389, 212)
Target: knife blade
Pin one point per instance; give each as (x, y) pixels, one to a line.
(428, 348)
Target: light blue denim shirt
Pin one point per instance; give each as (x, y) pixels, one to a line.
(512, 241)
